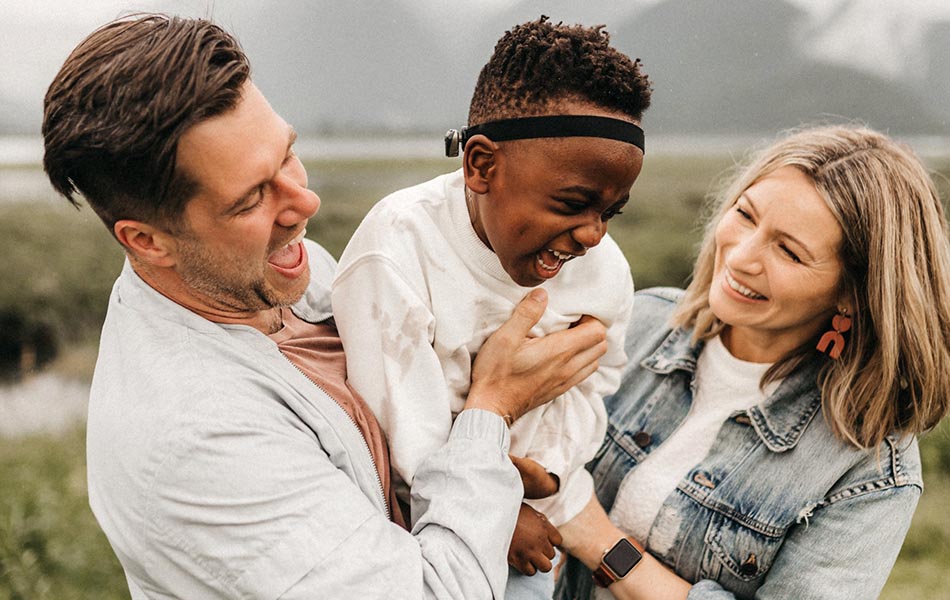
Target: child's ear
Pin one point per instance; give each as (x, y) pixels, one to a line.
(145, 242)
(478, 163)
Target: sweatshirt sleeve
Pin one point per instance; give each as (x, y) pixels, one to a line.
(387, 330)
(572, 427)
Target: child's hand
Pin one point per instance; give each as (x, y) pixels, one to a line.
(537, 482)
(532, 546)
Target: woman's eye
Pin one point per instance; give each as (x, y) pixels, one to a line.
(791, 254)
(744, 214)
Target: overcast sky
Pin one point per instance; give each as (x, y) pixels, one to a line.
(37, 35)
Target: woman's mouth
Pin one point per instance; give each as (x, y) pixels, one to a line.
(741, 289)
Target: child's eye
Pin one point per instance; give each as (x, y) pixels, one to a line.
(572, 206)
(744, 214)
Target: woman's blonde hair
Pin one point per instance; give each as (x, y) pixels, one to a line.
(894, 374)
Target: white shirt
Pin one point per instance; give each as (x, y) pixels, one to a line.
(724, 385)
(415, 296)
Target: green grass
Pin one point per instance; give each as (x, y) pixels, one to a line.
(58, 269)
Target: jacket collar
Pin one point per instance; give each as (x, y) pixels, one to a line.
(780, 420)
(313, 307)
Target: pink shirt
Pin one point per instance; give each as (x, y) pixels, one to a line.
(318, 352)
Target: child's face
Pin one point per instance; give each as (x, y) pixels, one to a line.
(549, 201)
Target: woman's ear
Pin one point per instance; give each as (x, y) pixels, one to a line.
(145, 242)
(479, 163)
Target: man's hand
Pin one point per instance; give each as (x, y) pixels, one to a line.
(532, 545)
(537, 482)
(514, 373)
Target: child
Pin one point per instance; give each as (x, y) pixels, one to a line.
(552, 152)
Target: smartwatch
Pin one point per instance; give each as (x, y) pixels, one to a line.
(616, 563)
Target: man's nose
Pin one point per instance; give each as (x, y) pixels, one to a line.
(298, 202)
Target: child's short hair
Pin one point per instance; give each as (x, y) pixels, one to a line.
(537, 63)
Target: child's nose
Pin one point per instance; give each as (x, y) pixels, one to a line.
(589, 234)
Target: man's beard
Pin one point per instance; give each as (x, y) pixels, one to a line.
(229, 281)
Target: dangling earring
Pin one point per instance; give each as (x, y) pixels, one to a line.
(840, 323)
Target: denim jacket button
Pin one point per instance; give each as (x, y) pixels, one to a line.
(749, 567)
(742, 419)
(703, 480)
(642, 439)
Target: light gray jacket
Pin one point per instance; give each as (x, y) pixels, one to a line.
(218, 470)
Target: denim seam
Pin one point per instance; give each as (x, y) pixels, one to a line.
(702, 497)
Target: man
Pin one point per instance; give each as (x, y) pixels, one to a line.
(227, 456)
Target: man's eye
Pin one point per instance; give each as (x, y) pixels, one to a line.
(258, 198)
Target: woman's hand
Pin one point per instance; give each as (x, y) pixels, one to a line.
(514, 373)
(591, 532)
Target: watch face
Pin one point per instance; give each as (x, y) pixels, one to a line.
(622, 557)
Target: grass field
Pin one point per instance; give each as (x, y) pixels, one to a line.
(58, 268)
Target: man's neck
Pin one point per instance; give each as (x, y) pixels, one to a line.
(266, 321)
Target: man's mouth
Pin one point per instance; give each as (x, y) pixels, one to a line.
(551, 261)
(741, 289)
(290, 255)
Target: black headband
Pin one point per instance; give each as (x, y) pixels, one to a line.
(546, 127)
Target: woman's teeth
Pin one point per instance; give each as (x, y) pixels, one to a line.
(742, 289)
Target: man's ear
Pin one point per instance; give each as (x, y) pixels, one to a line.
(479, 163)
(146, 242)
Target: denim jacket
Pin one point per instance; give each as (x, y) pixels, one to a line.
(779, 508)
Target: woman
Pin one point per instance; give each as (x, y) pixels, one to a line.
(762, 443)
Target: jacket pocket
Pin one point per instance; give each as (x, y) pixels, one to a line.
(744, 553)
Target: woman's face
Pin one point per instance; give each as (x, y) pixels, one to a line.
(777, 269)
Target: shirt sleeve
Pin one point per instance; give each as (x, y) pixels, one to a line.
(844, 551)
(572, 427)
(387, 331)
(250, 507)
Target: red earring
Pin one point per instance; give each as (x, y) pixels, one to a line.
(840, 323)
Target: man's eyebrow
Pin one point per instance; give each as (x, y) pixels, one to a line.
(235, 206)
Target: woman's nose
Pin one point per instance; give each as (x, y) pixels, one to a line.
(745, 255)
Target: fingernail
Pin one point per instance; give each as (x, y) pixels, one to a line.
(538, 294)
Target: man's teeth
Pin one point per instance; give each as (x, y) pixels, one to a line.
(298, 238)
(742, 289)
(562, 256)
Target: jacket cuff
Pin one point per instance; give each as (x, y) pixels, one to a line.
(479, 424)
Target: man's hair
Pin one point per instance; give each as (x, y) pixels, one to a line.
(118, 107)
(895, 256)
(539, 63)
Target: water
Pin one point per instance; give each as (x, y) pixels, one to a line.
(42, 403)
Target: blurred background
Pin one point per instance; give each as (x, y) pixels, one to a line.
(372, 86)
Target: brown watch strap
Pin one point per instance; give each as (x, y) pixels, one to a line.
(603, 576)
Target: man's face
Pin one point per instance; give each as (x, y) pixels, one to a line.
(241, 243)
(549, 201)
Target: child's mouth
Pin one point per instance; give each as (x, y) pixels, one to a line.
(550, 261)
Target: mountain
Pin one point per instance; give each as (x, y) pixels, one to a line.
(717, 66)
